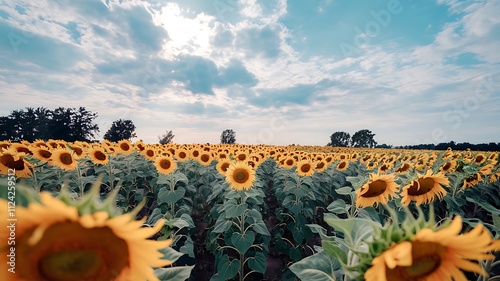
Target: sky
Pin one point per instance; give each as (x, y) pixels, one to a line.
(274, 71)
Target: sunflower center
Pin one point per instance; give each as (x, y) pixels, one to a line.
(204, 158)
(305, 168)
(66, 159)
(70, 265)
(342, 165)
(8, 161)
(124, 147)
(77, 150)
(289, 162)
(242, 157)
(224, 166)
(165, 164)
(100, 156)
(196, 153)
(150, 153)
(426, 257)
(479, 159)
(45, 154)
(447, 166)
(320, 165)
(241, 175)
(68, 251)
(426, 184)
(376, 188)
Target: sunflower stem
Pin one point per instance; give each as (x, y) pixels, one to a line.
(242, 229)
(80, 182)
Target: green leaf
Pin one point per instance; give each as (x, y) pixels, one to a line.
(227, 269)
(243, 242)
(496, 221)
(318, 267)
(334, 249)
(346, 190)
(257, 263)
(177, 273)
(295, 254)
(171, 254)
(233, 209)
(261, 228)
(485, 205)
(168, 196)
(222, 225)
(338, 207)
(355, 229)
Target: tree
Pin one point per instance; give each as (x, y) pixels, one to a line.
(166, 138)
(69, 124)
(341, 139)
(120, 130)
(363, 138)
(228, 136)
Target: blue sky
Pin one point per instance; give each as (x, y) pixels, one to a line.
(275, 71)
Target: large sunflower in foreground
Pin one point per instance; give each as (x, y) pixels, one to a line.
(54, 241)
(63, 159)
(434, 255)
(425, 188)
(378, 189)
(240, 176)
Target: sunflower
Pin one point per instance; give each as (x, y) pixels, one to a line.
(222, 166)
(98, 156)
(321, 166)
(305, 168)
(425, 188)
(241, 156)
(63, 159)
(54, 241)
(435, 255)
(479, 159)
(343, 165)
(495, 177)
(240, 176)
(205, 158)
(78, 150)
(470, 181)
(124, 147)
(289, 162)
(384, 168)
(448, 167)
(19, 147)
(371, 165)
(403, 169)
(41, 153)
(11, 159)
(378, 189)
(181, 155)
(165, 165)
(149, 153)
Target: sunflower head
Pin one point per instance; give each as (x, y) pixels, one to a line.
(165, 165)
(63, 159)
(305, 168)
(63, 239)
(11, 159)
(418, 250)
(343, 165)
(424, 188)
(378, 189)
(240, 176)
(98, 156)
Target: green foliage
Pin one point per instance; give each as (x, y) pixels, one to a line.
(120, 130)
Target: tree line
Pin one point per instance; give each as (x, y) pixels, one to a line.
(78, 124)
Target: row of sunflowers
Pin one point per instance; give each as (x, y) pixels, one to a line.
(136, 211)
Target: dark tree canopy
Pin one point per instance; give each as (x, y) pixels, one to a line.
(228, 136)
(120, 130)
(341, 139)
(69, 124)
(166, 138)
(363, 138)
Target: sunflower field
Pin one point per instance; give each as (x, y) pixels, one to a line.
(136, 211)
